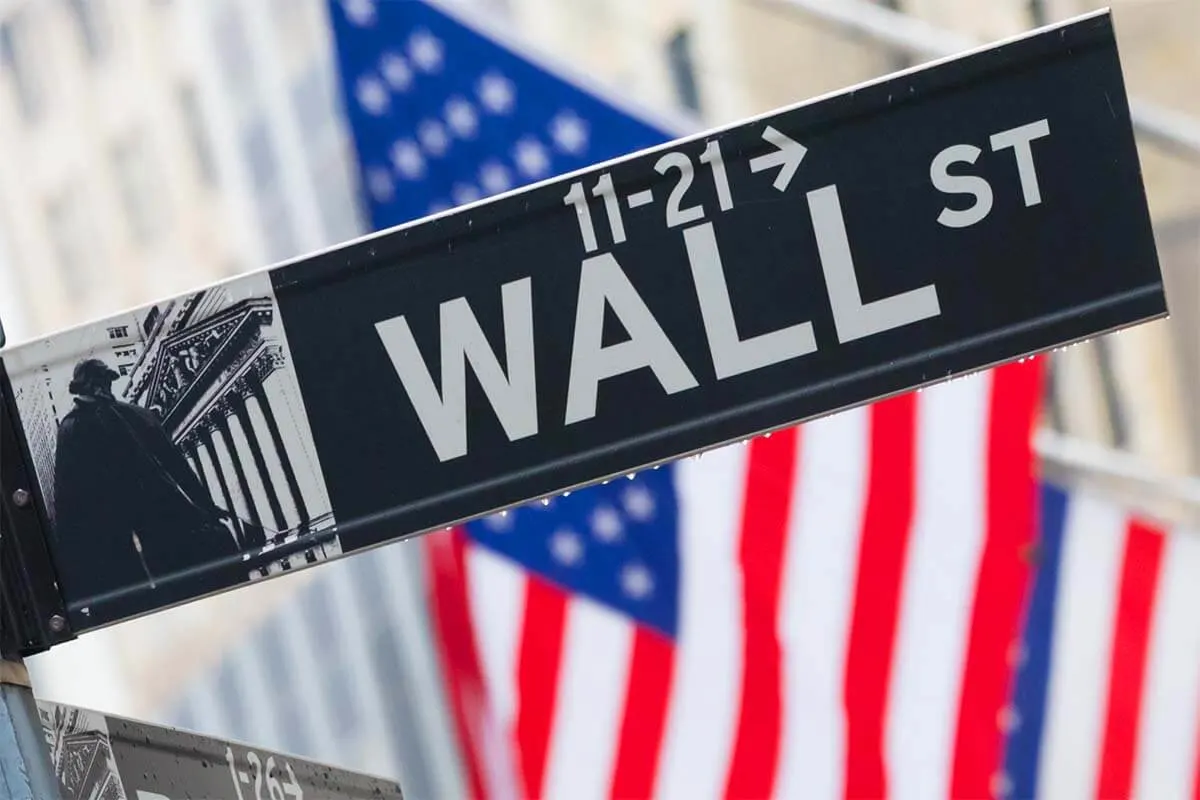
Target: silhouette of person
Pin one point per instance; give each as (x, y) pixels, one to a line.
(128, 507)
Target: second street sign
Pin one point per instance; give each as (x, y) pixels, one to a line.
(908, 230)
(97, 756)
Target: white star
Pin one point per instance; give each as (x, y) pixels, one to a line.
(495, 177)
(500, 522)
(461, 117)
(497, 93)
(606, 524)
(638, 502)
(425, 49)
(372, 95)
(433, 137)
(531, 158)
(379, 184)
(566, 547)
(464, 193)
(396, 71)
(359, 12)
(569, 132)
(407, 159)
(636, 581)
(1008, 719)
(437, 207)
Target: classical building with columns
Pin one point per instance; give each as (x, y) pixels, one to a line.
(214, 368)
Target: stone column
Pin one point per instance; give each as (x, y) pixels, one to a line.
(235, 461)
(263, 404)
(206, 455)
(288, 409)
(275, 461)
(224, 465)
(255, 490)
(203, 468)
(256, 451)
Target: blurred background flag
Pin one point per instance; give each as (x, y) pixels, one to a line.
(1107, 699)
(828, 611)
(869, 605)
(628, 641)
(443, 115)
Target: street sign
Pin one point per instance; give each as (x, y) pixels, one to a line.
(943, 220)
(100, 757)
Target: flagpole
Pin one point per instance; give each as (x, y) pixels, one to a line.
(1169, 129)
(1081, 458)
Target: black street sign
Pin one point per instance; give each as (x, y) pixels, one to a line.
(100, 757)
(940, 221)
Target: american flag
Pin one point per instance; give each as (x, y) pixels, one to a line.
(829, 611)
(1107, 702)
(880, 603)
(442, 115)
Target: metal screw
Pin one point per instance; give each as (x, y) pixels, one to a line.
(57, 623)
(21, 498)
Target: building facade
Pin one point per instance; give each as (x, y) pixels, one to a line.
(212, 369)
(156, 146)
(151, 147)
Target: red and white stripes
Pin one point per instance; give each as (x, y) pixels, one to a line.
(1123, 700)
(849, 593)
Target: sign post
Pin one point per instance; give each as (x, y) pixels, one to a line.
(25, 771)
(912, 229)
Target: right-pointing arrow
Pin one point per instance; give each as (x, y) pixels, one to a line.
(787, 157)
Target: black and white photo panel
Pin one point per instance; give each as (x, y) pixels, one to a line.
(172, 450)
